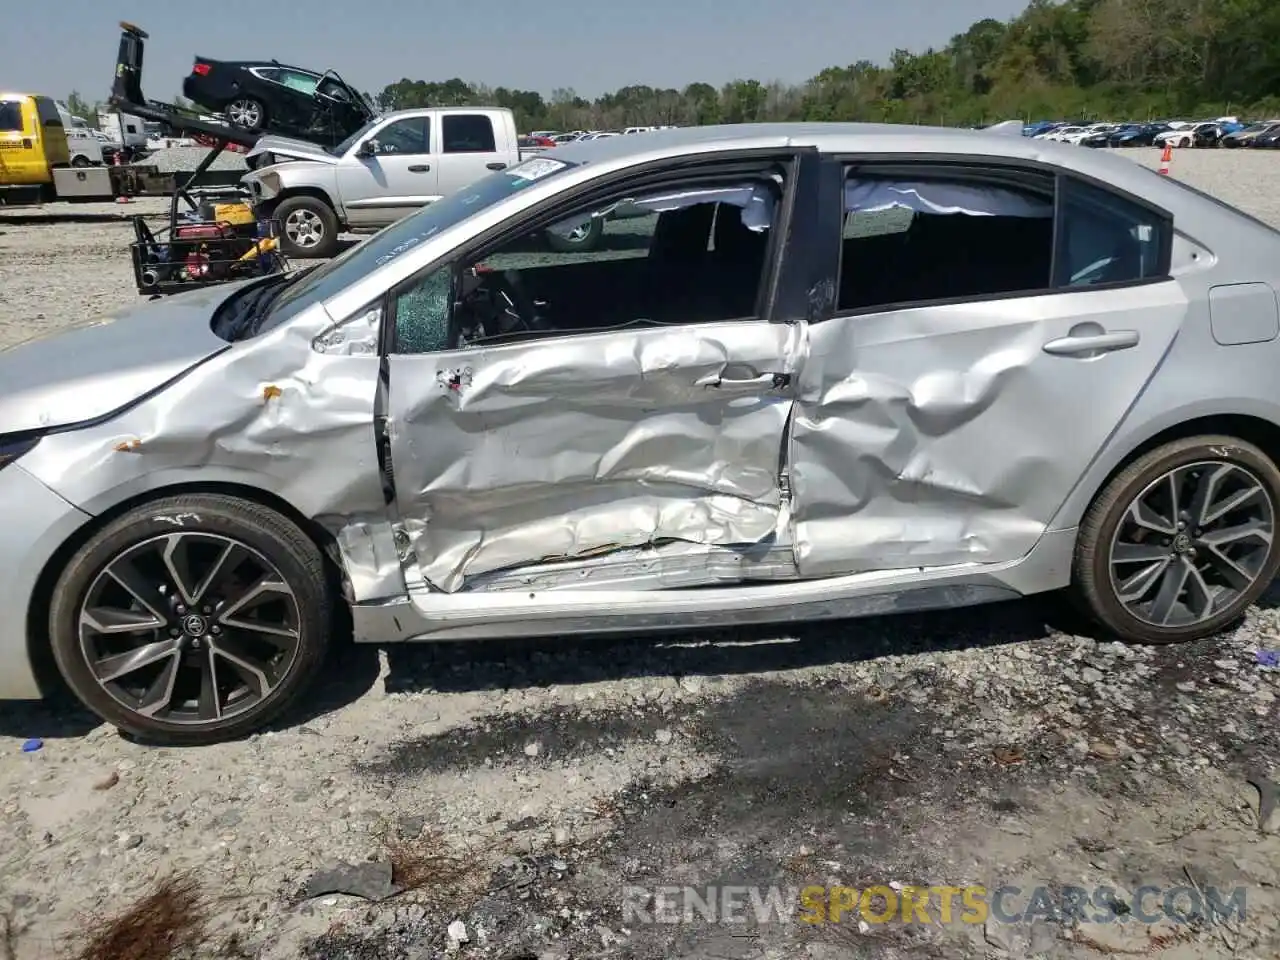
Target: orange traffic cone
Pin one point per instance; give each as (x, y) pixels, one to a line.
(1165, 159)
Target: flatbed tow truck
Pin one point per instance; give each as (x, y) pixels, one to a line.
(208, 242)
(62, 182)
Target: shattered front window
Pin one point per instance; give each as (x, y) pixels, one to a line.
(325, 281)
(422, 314)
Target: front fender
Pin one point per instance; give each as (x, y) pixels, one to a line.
(270, 185)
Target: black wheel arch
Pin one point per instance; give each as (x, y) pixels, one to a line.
(39, 652)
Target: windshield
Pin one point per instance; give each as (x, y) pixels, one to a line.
(324, 281)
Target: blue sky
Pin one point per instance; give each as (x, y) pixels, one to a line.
(55, 46)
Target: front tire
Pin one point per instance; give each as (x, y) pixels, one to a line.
(1181, 542)
(308, 228)
(192, 619)
(585, 239)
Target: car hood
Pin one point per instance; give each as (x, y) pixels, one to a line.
(94, 368)
(290, 148)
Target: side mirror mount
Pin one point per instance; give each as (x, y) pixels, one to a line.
(368, 149)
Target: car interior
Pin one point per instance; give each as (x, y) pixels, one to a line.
(701, 263)
(955, 240)
(943, 256)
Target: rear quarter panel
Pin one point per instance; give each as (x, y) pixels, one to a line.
(1199, 377)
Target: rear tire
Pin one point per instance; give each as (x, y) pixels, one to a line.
(1210, 551)
(192, 619)
(308, 228)
(247, 113)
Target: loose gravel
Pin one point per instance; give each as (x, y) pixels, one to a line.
(496, 799)
(178, 159)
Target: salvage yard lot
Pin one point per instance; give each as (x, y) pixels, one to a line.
(516, 789)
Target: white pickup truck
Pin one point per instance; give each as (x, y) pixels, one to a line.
(382, 172)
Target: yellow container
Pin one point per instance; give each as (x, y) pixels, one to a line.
(236, 214)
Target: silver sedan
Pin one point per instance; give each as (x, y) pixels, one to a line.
(822, 371)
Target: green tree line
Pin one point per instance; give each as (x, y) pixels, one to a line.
(1077, 59)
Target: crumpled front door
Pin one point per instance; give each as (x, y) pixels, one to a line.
(512, 455)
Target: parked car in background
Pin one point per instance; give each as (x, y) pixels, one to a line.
(1060, 134)
(189, 490)
(1039, 127)
(533, 143)
(1267, 140)
(1243, 138)
(1186, 136)
(1208, 135)
(272, 97)
(82, 142)
(1102, 137)
(1138, 135)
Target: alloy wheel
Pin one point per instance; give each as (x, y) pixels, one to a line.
(304, 228)
(189, 628)
(1191, 543)
(245, 113)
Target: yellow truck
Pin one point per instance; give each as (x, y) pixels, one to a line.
(33, 144)
(35, 160)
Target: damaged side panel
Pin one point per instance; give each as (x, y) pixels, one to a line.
(949, 434)
(562, 450)
(254, 418)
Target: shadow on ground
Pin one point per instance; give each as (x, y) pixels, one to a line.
(494, 665)
(474, 665)
(808, 782)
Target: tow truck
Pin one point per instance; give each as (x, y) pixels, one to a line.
(209, 242)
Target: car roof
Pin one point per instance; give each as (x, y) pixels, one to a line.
(869, 139)
(246, 64)
(852, 138)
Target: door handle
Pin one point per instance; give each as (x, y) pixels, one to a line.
(769, 381)
(1092, 345)
(420, 168)
(496, 166)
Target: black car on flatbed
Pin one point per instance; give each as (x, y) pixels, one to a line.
(264, 96)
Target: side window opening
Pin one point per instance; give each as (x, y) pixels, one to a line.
(302, 82)
(680, 255)
(411, 135)
(910, 241)
(1107, 239)
(10, 116)
(468, 133)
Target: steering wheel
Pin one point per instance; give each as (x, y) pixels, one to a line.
(515, 310)
(501, 306)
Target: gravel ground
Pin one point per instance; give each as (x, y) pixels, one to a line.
(511, 791)
(172, 159)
